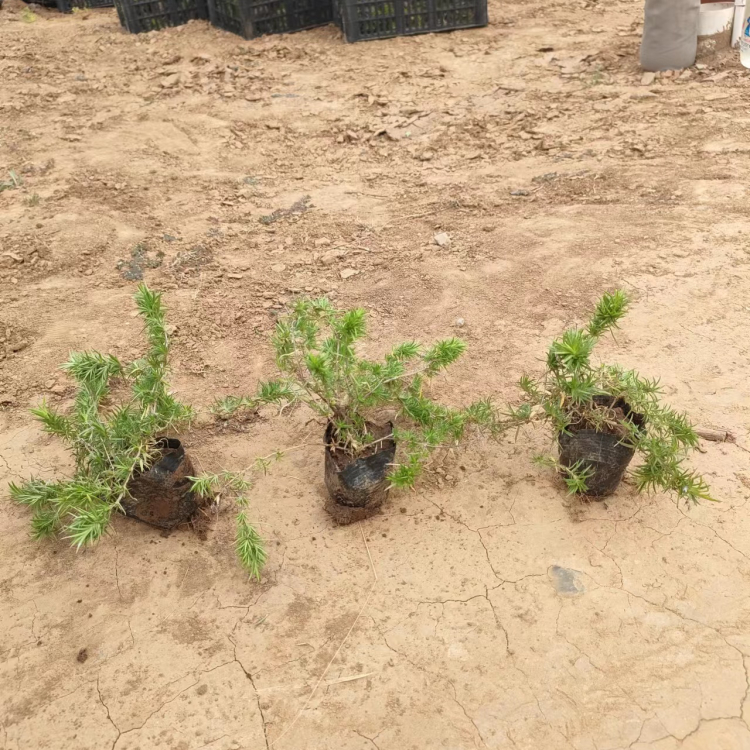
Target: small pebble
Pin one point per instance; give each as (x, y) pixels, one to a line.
(442, 239)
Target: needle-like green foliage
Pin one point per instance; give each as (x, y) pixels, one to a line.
(316, 355)
(110, 442)
(248, 543)
(564, 397)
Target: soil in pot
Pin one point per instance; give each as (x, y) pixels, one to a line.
(162, 496)
(358, 485)
(602, 451)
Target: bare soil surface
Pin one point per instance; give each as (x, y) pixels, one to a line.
(485, 609)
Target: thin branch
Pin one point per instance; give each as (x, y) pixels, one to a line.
(325, 671)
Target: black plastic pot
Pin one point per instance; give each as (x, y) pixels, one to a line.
(603, 452)
(357, 487)
(162, 496)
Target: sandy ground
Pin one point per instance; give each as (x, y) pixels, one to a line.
(485, 609)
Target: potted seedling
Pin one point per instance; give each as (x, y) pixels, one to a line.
(380, 425)
(602, 415)
(127, 459)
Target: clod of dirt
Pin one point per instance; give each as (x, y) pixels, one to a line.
(546, 177)
(197, 256)
(170, 81)
(442, 239)
(141, 257)
(332, 256)
(13, 339)
(23, 253)
(83, 654)
(298, 207)
(37, 169)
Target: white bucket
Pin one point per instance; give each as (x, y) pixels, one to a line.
(739, 20)
(715, 25)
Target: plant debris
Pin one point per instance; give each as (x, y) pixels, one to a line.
(141, 257)
(298, 207)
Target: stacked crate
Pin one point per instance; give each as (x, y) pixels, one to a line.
(252, 18)
(359, 19)
(380, 19)
(139, 16)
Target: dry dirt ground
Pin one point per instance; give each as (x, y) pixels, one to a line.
(485, 609)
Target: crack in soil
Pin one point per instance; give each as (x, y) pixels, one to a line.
(166, 703)
(106, 708)
(573, 645)
(478, 532)
(117, 571)
(745, 696)
(548, 723)
(153, 713)
(5, 461)
(260, 707)
(208, 744)
(466, 713)
(701, 722)
(439, 678)
(255, 690)
(713, 629)
(369, 739)
(498, 622)
(713, 531)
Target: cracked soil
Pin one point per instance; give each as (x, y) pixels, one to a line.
(486, 609)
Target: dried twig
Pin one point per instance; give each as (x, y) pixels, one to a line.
(715, 436)
(372, 564)
(338, 650)
(325, 671)
(351, 678)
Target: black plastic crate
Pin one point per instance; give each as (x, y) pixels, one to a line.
(380, 19)
(253, 18)
(66, 6)
(138, 16)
